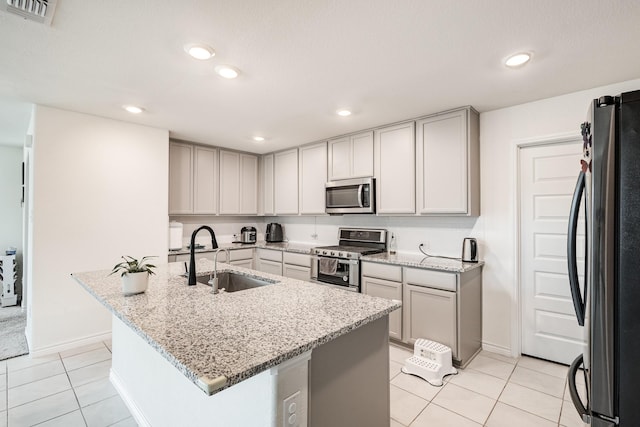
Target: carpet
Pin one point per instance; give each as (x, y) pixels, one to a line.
(12, 339)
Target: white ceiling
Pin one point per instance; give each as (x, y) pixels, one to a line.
(387, 60)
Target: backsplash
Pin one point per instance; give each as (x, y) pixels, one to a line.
(224, 227)
(441, 235)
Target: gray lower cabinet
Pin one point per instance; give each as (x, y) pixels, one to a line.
(296, 272)
(271, 267)
(441, 306)
(296, 266)
(239, 257)
(444, 307)
(246, 263)
(269, 261)
(430, 313)
(385, 281)
(390, 290)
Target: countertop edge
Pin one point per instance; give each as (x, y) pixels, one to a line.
(463, 268)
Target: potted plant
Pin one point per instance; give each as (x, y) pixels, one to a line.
(135, 274)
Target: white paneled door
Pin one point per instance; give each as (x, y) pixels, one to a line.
(548, 175)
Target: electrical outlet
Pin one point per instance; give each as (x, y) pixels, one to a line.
(314, 236)
(290, 407)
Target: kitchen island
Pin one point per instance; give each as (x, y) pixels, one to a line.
(183, 356)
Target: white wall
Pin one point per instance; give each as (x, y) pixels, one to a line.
(100, 190)
(441, 236)
(10, 205)
(500, 133)
(223, 226)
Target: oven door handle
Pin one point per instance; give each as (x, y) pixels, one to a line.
(340, 260)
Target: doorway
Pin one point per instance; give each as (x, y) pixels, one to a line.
(547, 178)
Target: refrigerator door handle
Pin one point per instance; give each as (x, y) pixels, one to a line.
(573, 391)
(578, 301)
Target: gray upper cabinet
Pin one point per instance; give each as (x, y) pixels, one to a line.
(447, 164)
(285, 192)
(180, 178)
(313, 176)
(351, 156)
(394, 161)
(238, 183)
(205, 182)
(266, 184)
(428, 167)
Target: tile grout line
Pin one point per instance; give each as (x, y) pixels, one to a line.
(74, 391)
(520, 409)
(539, 372)
(66, 372)
(501, 391)
(496, 400)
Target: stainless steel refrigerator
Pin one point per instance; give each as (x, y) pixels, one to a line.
(607, 303)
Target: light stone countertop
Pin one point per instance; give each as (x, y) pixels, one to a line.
(301, 248)
(402, 260)
(217, 341)
(421, 261)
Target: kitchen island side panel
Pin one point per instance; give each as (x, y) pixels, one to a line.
(158, 395)
(349, 379)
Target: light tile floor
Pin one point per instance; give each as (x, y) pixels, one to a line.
(493, 390)
(72, 388)
(65, 389)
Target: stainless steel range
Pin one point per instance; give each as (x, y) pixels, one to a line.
(339, 266)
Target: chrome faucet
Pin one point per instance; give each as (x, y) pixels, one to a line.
(192, 259)
(214, 281)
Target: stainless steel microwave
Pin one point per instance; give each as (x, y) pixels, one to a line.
(350, 196)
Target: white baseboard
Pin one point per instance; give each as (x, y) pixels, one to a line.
(504, 351)
(126, 398)
(27, 335)
(57, 348)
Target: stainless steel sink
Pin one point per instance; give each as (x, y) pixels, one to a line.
(234, 282)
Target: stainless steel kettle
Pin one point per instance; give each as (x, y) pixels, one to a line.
(469, 250)
(274, 233)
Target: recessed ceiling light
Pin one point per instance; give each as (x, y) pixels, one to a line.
(199, 51)
(133, 109)
(518, 59)
(258, 138)
(343, 113)
(227, 71)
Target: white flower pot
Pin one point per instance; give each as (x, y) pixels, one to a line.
(135, 283)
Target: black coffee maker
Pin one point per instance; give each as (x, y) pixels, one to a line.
(273, 233)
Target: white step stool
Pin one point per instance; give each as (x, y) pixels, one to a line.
(431, 361)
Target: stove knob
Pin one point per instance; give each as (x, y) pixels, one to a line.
(340, 254)
(324, 252)
(333, 253)
(348, 255)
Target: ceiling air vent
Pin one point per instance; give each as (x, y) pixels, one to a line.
(34, 10)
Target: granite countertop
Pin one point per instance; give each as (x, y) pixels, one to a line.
(301, 248)
(404, 260)
(421, 261)
(217, 341)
